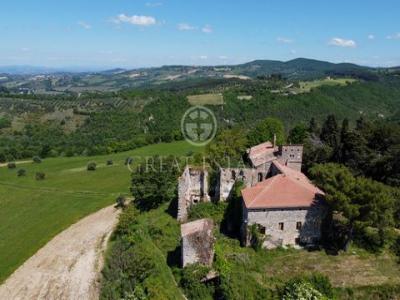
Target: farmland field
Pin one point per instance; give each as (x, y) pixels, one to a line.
(307, 86)
(206, 99)
(32, 212)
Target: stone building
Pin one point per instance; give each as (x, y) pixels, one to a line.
(287, 208)
(261, 159)
(192, 189)
(197, 242)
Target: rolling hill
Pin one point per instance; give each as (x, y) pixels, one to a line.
(117, 79)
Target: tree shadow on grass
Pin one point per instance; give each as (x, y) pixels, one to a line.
(174, 257)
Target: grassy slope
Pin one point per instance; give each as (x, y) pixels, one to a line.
(32, 212)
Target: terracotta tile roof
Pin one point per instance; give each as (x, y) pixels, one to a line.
(282, 191)
(262, 153)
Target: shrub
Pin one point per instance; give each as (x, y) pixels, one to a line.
(128, 161)
(256, 240)
(192, 285)
(313, 287)
(21, 172)
(121, 201)
(37, 159)
(40, 176)
(91, 166)
(301, 290)
(110, 162)
(11, 165)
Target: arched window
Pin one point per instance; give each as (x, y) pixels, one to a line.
(233, 175)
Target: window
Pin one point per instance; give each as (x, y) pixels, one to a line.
(297, 241)
(262, 230)
(260, 177)
(233, 175)
(281, 226)
(298, 225)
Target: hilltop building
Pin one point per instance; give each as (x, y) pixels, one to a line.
(278, 198)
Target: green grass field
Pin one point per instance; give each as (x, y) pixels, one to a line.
(206, 99)
(307, 86)
(32, 212)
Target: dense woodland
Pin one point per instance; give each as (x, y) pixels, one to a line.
(153, 115)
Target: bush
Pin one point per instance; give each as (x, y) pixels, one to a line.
(11, 165)
(121, 201)
(192, 285)
(91, 166)
(37, 159)
(314, 287)
(128, 161)
(21, 172)
(40, 176)
(110, 162)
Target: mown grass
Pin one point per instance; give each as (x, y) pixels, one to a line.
(206, 99)
(32, 212)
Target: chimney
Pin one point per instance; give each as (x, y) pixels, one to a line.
(274, 140)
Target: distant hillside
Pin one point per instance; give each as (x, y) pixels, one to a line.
(27, 79)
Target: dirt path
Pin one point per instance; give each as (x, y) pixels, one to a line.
(68, 266)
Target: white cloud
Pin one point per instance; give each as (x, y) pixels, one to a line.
(203, 57)
(207, 29)
(135, 20)
(293, 51)
(339, 42)
(154, 4)
(84, 25)
(395, 36)
(284, 40)
(25, 49)
(185, 27)
(371, 37)
(223, 57)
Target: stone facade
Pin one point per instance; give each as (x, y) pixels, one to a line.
(286, 226)
(192, 189)
(197, 242)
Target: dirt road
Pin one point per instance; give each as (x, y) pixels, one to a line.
(68, 266)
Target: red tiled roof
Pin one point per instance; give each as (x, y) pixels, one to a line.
(262, 153)
(282, 191)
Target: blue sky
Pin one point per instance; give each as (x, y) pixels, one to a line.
(136, 33)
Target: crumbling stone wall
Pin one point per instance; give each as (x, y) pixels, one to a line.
(249, 176)
(197, 242)
(192, 189)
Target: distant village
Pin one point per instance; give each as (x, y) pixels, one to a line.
(278, 199)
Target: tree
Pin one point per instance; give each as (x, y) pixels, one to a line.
(330, 132)
(155, 183)
(266, 130)
(11, 165)
(229, 146)
(298, 134)
(361, 202)
(313, 127)
(91, 166)
(37, 159)
(40, 176)
(121, 201)
(21, 173)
